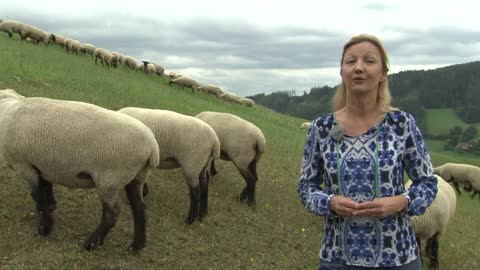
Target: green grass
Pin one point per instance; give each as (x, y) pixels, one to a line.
(232, 236)
(440, 121)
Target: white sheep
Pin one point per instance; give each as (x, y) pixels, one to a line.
(105, 57)
(130, 62)
(185, 82)
(121, 57)
(211, 89)
(78, 145)
(60, 40)
(461, 174)
(174, 75)
(241, 142)
(159, 70)
(89, 48)
(188, 143)
(433, 223)
(148, 68)
(231, 97)
(305, 125)
(37, 34)
(11, 26)
(246, 101)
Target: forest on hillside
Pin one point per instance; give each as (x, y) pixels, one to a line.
(456, 87)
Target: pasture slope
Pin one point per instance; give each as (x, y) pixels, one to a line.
(277, 234)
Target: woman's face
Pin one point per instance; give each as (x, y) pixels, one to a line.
(362, 68)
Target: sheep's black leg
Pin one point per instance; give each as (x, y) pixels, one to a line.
(145, 190)
(213, 170)
(133, 191)
(419, 243)
(249, 191)
(250, 176)
(432, 247)
(194, 203)
(203, 194)
(457, 188)
(110, 215)
(41, 195)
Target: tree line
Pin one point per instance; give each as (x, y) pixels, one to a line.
(456, 87)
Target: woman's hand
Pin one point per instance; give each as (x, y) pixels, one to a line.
(380, 207)
(343, 206)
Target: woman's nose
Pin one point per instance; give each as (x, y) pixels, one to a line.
(359, 66)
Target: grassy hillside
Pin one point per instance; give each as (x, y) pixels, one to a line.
(277, 234)
(440, 121)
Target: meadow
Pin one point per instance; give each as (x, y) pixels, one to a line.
(277, 234)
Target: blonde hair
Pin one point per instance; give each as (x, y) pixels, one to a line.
(384, 98)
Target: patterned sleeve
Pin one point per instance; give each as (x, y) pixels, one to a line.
(309, 190)
(419, 168)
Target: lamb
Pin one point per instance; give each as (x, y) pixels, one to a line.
(211, 89)
(185, 82)
(11, 26)
(246, 101)
(433, 223)
(78, 145)
(188, 143)
(105, 57)
(174, 75)
(241, 142)
(37, 34)
(305, 125)
(464, 174)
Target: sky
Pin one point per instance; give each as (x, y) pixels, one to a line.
(262, 46)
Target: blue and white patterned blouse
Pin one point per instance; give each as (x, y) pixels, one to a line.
(364, 168)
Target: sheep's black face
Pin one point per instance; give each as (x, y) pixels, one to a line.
(52, 38)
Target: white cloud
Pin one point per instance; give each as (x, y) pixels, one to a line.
(254, 46)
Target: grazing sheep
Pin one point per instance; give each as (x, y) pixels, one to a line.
(241, 142)
(148, 68)
(89, 48)
(174, 75)
(60, 40)
(433, 223)
(159, 70)
(246, 101)
(37, 34)
(78, 145)
(231, 97)
(461, 174)
(105, 57)
(11, 26)
(130, 62)
(185, 82)
(305, 125)
(121, 57)
(188, 143)
(211, 89)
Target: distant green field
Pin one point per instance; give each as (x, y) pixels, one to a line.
(440, 121)
(277, 234)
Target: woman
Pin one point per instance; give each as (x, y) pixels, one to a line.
(360, 152)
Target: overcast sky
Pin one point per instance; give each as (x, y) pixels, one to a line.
(261, 46)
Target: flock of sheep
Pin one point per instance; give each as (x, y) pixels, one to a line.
(81, 145)
(433, 223)
(113, 59)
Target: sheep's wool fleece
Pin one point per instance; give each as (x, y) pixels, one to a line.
(436, 217)
(63, 139)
